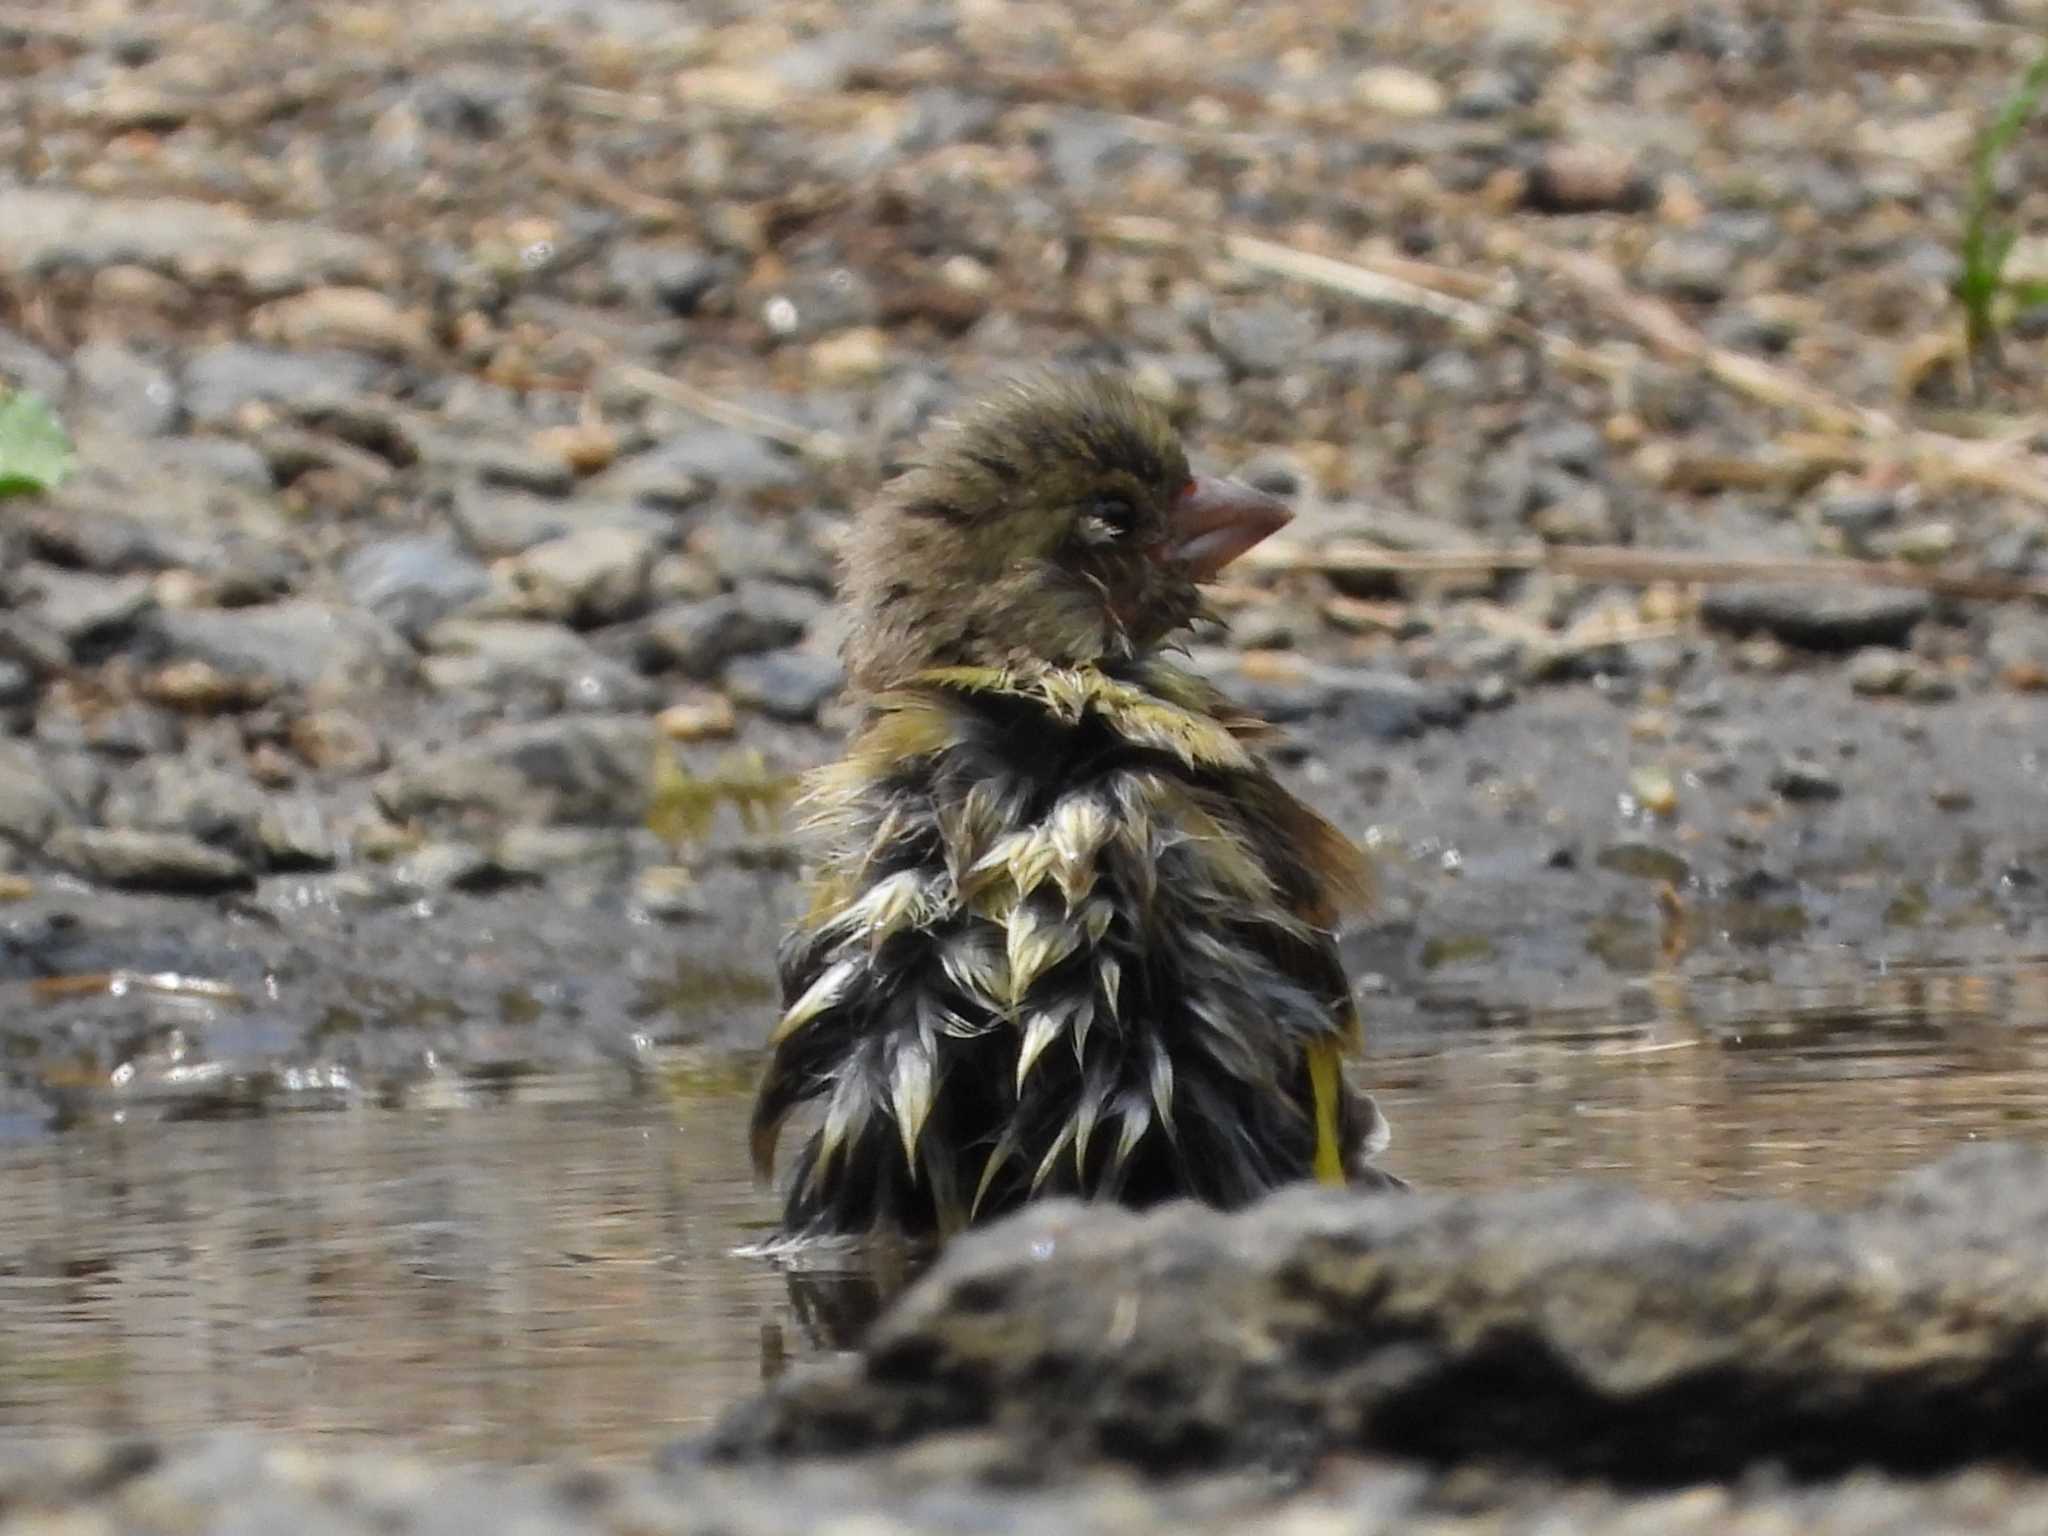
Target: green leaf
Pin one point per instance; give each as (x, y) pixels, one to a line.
(34, 452)
(2030, 294)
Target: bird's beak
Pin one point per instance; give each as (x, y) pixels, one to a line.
(1215, 521)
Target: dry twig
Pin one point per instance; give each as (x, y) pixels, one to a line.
(1619, 563)
(822, 447)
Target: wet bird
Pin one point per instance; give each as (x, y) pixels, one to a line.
(1068, 934)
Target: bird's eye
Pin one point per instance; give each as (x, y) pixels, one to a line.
(1108, 519)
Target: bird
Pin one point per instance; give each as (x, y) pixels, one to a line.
(1066, 932)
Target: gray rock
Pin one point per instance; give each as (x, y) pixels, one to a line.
(153, 861)
(494, 461)
(812, 303)
(446, 866)
(677, 277)
(595, 769)
(496, 522)
(33, 644)
(669, 894)
(1878, 672)
(293, 834)
(90, 612)
(1367, 356)
(1859, 514)
(117, 387)
(220, 380)
(590, 577)
(1821, 618)
(1383, 705)
(1801, 778)
(504, 658)
(785, 685)
(2017, 648)
(698, 638)
(734, 462)
(1265, 336)
(217, 459)
(412, 584)
(538, 853)
(30, 805)
(127, 730)
(1583, 1329)
(26, 366)
(215, 806)
(325, 648)
(1699, 267)
(18, 684)
(47, 229)
(650, 480)
(742, 546)
(1644, 861)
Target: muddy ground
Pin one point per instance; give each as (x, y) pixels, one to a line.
(404, 695)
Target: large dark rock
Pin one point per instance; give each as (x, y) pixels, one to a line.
(1581, 1329)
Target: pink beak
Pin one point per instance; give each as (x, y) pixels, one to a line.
(1215, 521)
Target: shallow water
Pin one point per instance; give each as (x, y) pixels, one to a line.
(556, 1272)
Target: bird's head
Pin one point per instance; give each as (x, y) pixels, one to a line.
(1055, 522)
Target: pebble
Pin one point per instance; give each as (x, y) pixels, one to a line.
(91, 612)
(337, 742)
(857, 356)
(293, 834)
(1801, 778)
(1700, 267)
(2017, 648)
(43, 230)
(143, 860)
(669, 894)
(591, 769)
(1923, 543)
(1822, 618)
(30, 806)
(705, 717)
(445, 865)
(785, 684)
(1878, 672)
(1586, 178)
(1263, 337)
(1397, 92)
(538, 853)
(325, 648)
(503, 658)
(590, 577)
(678, 277)
(118, 387)
(743, 546)
(344, 319)
(1644, 861)
(413, 583)
(698, 638)
(220, 381)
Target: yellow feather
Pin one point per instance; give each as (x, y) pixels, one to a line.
(1325, 1082)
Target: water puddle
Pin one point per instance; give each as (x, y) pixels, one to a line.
(555, 1269)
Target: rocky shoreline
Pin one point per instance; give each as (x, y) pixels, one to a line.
(1321, 1362)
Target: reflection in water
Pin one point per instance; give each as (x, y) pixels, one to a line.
(559, 1270)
